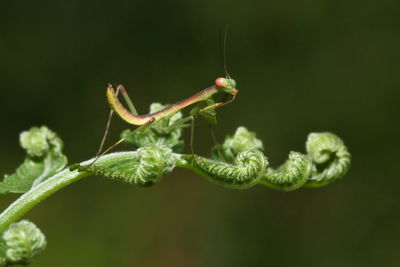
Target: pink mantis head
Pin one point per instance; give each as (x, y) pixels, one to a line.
(227, 85)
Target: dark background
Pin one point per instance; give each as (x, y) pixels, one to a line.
(301, 66)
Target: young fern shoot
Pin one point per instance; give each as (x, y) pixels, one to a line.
(238, 163)
(244, 165)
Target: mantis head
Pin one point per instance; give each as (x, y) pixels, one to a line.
(226, 85)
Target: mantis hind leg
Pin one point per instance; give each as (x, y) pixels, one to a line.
(141, 127)
(103, 139)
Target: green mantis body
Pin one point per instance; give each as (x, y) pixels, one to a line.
(205, 107)
(131, 117)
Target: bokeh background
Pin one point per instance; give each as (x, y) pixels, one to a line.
(301, 66)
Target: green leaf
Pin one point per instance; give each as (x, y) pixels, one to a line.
(2, 252)
(44, 158)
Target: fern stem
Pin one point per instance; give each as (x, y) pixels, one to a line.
(43, 190)
(34, 196)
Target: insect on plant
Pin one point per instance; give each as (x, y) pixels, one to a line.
(208, 100)
(239, 162)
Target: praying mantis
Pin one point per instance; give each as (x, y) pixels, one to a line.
(207, 101)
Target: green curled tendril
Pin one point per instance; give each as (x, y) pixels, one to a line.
(327, 159)
(292, 175)
(44, 158)
(145, 166)
(237, 163)
(245, 171)
(21, 242)
(330, 157)
(242, 140)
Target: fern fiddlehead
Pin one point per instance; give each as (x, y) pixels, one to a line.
(238, 163)
(330, 157)
(21, 242)
(293, 174)
(145, 166)
(327, 159)
(242, 140)
(245, 171)
(44, 158)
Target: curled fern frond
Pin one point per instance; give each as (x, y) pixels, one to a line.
(330, 157)
(245, 171)
(242, 140)
(44, 158)
(22, 241)
(38, 141)
(292, 175)
(145, 166)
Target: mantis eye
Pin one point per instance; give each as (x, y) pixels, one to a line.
(221, 82)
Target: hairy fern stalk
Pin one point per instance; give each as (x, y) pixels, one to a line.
(239, 163)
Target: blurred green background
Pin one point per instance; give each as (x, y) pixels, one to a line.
(301, 66)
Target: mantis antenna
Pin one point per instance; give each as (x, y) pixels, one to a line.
(224, 36)
(224, 51)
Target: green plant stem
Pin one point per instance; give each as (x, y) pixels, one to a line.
(34, 196)
(180, 162)
(43, 190)
(46, 188)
